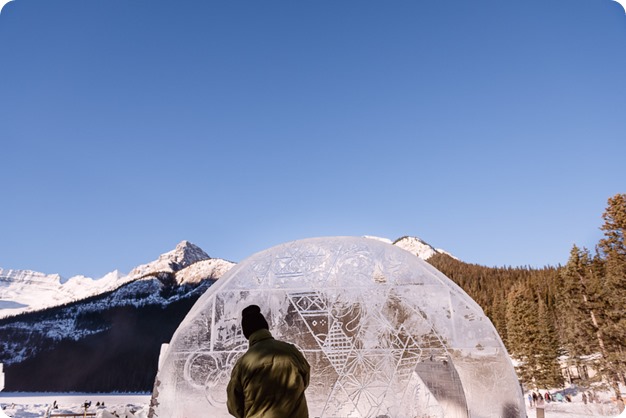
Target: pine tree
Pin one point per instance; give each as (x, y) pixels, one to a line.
(579, 310)
(547, 350)
(522, 326)
(575, 314)
(612, 250)
(498, 317)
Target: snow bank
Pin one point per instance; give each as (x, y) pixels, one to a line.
(29, 405)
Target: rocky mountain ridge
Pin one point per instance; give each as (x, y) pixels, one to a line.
(77, 334)
(27, 291)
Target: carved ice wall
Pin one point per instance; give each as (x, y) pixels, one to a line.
(386, 334)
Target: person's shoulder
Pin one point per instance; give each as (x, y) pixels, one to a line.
(285, 344)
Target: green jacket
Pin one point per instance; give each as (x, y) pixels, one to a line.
(269, 380)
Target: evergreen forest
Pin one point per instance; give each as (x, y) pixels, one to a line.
(560, 324)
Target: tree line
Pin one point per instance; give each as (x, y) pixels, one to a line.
(570, 315)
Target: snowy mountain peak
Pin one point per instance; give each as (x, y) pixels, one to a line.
(184, 255)
(414, 245)
(187, 253)
(417, 246)
(23, 290)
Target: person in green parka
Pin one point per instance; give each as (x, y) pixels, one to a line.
(269, 380)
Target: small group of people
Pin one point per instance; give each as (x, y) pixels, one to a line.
(590, 397)
(537, 399)
(86, 405)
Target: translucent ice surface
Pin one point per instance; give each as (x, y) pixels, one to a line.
(386, 334)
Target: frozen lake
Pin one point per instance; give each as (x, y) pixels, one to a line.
(31, 405)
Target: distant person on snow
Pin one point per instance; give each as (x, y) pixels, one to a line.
(269, 380)
(539, 399)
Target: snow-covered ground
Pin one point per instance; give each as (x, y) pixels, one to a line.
(31, 405)
(575, 410)
(604, 406)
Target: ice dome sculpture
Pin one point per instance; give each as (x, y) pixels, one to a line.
(386, 334)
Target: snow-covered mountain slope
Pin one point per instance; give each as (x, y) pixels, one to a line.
(155, 294)
(25, 291)
(198, 271)
(415, 246)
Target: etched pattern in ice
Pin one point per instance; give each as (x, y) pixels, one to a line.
(385, 333)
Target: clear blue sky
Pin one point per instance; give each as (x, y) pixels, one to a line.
(493, 129)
